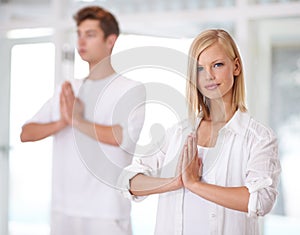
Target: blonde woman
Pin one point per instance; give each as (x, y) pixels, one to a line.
(218, 172)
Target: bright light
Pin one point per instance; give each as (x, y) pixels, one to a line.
(87, 1)
(29, 33)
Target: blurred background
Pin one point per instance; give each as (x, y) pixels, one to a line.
(38, 51)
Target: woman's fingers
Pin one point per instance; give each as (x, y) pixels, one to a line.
(199, 163)
(192, 147)
(195, 145)
(185, 160)
(180, 162)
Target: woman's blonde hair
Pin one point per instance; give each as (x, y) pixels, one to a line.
(197, 103)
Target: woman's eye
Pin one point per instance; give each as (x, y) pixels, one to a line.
(217, 65)
(200, 69)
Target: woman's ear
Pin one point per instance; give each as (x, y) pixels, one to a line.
(237, 67)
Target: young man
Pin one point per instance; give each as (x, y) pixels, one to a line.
(96, 124)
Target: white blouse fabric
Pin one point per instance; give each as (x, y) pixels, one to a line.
(245, 154)
(196, 209)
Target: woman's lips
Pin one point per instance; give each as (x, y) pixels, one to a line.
(211, 86)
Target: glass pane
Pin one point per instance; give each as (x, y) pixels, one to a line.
(144, 213)
(132, 6)
(285, 120)
(32, 82)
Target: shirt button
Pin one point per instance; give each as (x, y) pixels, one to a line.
(212, 215)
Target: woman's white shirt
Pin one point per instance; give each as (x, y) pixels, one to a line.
(245, 154)
(196, 209)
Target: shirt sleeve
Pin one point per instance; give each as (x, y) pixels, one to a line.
(49, 112)
(263, 172)
(147, 164)
(134, 111)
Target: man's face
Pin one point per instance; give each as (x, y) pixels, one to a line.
(92, 47)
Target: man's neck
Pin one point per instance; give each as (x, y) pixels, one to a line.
(101, 70)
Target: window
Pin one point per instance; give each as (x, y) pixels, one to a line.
(153, 76)
(32, 82)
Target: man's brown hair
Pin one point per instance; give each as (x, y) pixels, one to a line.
(107, 21)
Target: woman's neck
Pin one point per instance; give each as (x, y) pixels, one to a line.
(221, 111)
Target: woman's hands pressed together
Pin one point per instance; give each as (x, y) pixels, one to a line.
(191, 171)
(190, 164)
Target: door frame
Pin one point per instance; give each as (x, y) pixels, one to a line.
(6, 45)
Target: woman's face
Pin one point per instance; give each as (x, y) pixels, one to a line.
(216, 73)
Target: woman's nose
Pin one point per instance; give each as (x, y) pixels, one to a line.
(209, 74)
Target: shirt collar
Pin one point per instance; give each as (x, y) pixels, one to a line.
(237, 124)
